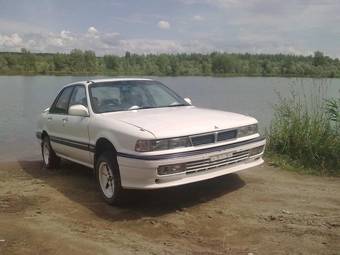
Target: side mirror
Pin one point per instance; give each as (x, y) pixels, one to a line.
(78, 110)
(188, 100)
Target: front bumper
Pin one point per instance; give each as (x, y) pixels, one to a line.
(138, 173)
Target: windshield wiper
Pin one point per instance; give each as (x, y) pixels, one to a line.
(140, 107)
(174, 105)
(149, 107)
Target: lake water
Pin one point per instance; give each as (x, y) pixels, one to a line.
(22, 98)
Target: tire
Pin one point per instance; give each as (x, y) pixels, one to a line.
(50, 159)
(108, 178)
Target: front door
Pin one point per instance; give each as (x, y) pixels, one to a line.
(75, 129)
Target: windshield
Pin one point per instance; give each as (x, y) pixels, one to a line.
(132, 95)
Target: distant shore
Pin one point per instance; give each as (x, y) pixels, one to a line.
(215, 64)
(161, 75)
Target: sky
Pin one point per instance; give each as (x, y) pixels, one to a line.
(171, 26)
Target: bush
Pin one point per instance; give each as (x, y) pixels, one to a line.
(306, 130)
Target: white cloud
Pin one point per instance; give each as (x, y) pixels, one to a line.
(101, 43)
(92, 33)
(113, 43)
(66, 35)
(92, 30)
(198, 18)
(162, 24)
(145, 46)
(11, 41)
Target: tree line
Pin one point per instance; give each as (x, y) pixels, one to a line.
(215, 64)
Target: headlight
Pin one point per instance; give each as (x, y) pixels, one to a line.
(247, 130)
(162, 144)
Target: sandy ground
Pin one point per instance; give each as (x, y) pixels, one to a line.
(262, 210)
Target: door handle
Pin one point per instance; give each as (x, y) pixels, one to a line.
(65, 120)
(49, 118)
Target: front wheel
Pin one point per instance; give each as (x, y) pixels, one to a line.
(108, 178)
(50, 159)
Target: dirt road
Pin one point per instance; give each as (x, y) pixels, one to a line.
(259, 211)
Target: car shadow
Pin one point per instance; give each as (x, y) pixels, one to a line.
(78, 184)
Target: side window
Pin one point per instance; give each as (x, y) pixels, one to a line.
(61, 105)
(78, 96)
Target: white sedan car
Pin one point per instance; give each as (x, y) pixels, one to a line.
(139, 134)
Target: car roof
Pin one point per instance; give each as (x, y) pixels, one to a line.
(91, 81)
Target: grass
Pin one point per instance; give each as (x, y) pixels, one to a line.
(305, 132)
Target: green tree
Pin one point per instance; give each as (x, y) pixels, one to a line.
(28, 61)
(216, 63)
(90, 61)
(61, 62)
(3, 63)
(77, 63)
(319, 58)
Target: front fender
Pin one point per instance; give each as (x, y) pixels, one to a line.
(123, 136)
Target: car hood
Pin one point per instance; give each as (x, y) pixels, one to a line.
(181, 121)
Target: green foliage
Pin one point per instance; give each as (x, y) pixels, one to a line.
(319, 59)
(333, 110)
(303, 131)
(216, 63)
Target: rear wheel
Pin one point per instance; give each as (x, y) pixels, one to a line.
(108, 178)
(50, 159)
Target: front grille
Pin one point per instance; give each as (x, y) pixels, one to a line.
(207, 164)
(213, 137)
(226, 135)
(203, 139)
